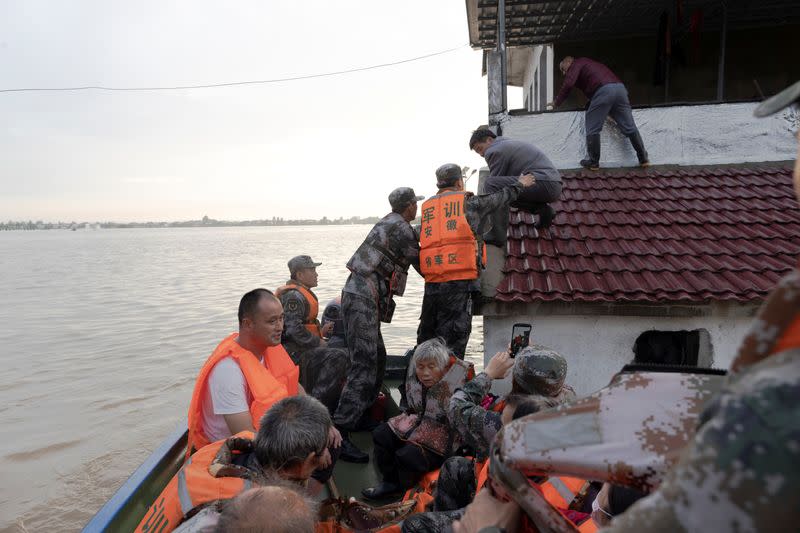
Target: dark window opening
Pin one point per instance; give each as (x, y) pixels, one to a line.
(685, 348)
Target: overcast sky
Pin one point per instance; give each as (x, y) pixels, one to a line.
(329, 146)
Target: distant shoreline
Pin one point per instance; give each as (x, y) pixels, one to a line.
(204, 223)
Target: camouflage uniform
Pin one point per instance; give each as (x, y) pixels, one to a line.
(322, 369)
(537, 370)
(447, 306)
(389, 249)
(740, 472)
(477, 425)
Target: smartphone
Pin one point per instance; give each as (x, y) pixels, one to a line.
(520, 337)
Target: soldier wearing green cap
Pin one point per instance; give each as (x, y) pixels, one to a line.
(451, 267)
(378, 271)
(537, 371)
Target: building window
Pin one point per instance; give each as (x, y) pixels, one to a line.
(685, 348)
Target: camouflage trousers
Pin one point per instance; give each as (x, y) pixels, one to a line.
(449, 316)
(367, 359)
(323, 372)
(455, 489)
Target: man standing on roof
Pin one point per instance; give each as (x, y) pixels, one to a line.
(508, 159)
(739, 472)
(607, 96)
(452, 254)
(378, 271)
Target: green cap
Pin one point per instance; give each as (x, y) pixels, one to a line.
(539, 370)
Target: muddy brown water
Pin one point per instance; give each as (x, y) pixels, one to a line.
(102, 333)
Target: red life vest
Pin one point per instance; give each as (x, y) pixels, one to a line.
(193, 485)
(270, 381)
(448, 248)
(310, 321)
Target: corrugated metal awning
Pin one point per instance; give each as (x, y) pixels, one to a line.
(530, 22)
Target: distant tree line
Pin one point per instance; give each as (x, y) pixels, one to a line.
(204, 222)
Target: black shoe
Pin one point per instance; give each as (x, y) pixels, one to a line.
(383, 490)
(351, 453)
(546, 216)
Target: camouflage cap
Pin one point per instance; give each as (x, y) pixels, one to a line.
(300, 262)
(539, 370)
(447, 175)
(785, 98)
(402, 196)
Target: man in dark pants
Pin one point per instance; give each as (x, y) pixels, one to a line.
(322, 367)
(607, 96)
(378, 271)
(453, 222)
(508, 159)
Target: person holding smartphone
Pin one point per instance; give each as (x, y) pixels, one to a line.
(478, 416)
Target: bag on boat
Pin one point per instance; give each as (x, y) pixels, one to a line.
(340, 515)
(630, 433)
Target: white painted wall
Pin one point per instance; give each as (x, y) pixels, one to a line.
(676, 135)
(596, 347)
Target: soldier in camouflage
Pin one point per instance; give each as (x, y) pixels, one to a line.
(378, 271)
(447, 305)
(536, 370)
(740, 473)
(322, 368)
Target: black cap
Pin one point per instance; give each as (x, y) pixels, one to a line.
(402, 196)
(447, 175)
(783, 99)
(300, 262)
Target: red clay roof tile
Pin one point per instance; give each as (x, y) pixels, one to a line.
(691, 235)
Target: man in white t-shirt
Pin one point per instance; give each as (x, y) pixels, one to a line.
(226, 402)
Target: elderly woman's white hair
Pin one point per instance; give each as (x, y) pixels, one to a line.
(432, 350)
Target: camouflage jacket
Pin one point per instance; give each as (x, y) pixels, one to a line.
(426, 420)
(740, 472)
(477, 210)
(476, 426)
(391, 245)
(296, 337)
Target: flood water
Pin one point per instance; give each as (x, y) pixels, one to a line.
(102, 333)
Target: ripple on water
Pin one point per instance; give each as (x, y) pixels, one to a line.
(39, 453)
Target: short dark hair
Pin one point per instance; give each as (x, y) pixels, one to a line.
(479, 135)
(248, 305)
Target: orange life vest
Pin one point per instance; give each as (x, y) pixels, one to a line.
(270, 381)
(449, 250)
(193, 485)
(310, 321)
(790, 338)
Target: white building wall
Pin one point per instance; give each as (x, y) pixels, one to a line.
(596, 347)
(675, 135)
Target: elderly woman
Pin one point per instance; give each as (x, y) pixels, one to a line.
(419, 440)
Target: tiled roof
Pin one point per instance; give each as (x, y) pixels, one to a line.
(692, 234)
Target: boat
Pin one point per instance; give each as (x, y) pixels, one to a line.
(126, 508)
